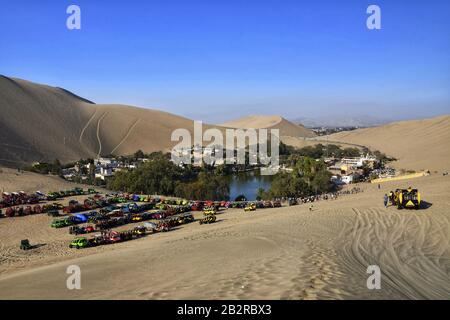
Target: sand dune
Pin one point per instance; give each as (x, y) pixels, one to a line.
(418, 144)
(41, 123)
(286, 127)
(286, 253)
(305, 142)
(13, 180)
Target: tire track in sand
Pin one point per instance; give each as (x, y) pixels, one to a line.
(126, 136)
(98, 134)
(411, 250)
(80, 139)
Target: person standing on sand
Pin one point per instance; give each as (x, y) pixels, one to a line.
(385, 200)
(310, 207)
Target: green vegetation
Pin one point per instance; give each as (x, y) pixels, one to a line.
(309, 177)
(46, 168)
(382, 158)
(319, 151)
(80, 162)
(161, 176)
(289, 154)
(204, 187)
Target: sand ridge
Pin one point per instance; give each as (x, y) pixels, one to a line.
(416, 144)
(43, 123)
(286, 127)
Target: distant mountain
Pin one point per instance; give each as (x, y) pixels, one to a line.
(341, 121)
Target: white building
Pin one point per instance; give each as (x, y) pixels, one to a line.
(347, 179)
(106, 162)
(104, 173)
(358, 162)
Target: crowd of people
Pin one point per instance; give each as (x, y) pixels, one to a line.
(325, 196)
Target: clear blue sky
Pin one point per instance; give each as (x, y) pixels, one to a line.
(215, 60)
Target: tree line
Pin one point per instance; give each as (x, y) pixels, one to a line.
(308, 177)
(161, 176)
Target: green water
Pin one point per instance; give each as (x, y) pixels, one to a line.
(248, 183)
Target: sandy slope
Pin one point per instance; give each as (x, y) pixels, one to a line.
(41, 123)
(287, 253)
(304, 142)
(418, 144)
(13, 180)
(286, 127)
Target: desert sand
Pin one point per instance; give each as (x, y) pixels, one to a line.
(285, 253)
(416, 144)
(43, 123)
(301, 142)
(14, 180)
(286, 127)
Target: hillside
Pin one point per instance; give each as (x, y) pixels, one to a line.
(41, 123)
(286, 127)
(13, 180)
(417, 144)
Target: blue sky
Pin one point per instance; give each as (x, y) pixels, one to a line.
(218, 60)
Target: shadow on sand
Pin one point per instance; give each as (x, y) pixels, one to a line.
(425, 205)
(35, 246)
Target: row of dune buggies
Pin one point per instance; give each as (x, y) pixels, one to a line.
(88, 204)
(95, 202)
(21, 204)
(113, 222)
(21, 198)
(200, 205)
(252, 206)
(107, 237)
(113, 216)
(110, 237)
(50, 208)
(54, 195)
(17, 198)
(53, 208)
